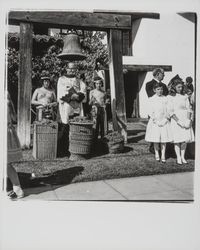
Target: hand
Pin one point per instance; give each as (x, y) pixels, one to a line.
(181, 124)
(154, 120)
(74, 97)
(107, 101)
(162, 122)
(187, 124)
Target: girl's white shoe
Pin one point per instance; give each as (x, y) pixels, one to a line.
(184, 161)
(179, 161)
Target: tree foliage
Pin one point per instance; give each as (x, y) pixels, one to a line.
(45, 58)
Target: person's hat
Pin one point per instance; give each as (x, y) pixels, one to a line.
(97, 77)
(45, 75)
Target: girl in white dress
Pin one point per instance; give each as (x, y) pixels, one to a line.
(181, 119)
(158, 128)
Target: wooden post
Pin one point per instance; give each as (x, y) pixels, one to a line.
(25, 84)
(117, 82)
(141, 78)
(126, 43)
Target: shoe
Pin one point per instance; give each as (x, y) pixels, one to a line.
(179, 162)
(12, 195)
(157, 158)
(20, 194)
(163, 160)
(184, 161)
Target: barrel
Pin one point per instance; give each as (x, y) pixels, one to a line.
(81, 138)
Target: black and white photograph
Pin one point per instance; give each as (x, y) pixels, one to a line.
(100, 108)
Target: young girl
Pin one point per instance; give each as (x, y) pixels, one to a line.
(98, 102)
(14, 152)
(158, 128)
(181, 119)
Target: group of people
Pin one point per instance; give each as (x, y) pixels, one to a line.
(71, 99)
(171, 115)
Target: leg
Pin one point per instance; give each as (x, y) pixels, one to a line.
(151, 148)
(102, 130)
(183, 148)
(156, 149)
(97, 127)
(13, 176)
(63, 139)
(177, 148)
(163, 149)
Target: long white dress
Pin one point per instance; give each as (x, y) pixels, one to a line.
(63, 87)
(179, 105)
(158, 128)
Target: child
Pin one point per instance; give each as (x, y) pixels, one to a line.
(98, 101)
(14, 152)
(181, 119)
(158, 127)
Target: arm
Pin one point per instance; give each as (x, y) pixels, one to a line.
(34, 100)
(189, 108)
(83, 92)
(54, 100)
(150, 109)
(59, 91)
(91, 98)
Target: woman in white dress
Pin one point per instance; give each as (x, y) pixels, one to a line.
(181, 119)
(158, 128)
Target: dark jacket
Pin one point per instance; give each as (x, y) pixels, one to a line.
(149, 88)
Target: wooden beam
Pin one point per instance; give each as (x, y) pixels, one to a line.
(126, 43)
(25, 84)
(133, 14)
(147, 67)
(117, 82)
(59, 19)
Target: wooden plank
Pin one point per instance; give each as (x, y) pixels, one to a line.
(25, 84)
(147, 67)
(126, 43)
(141, 79)
(137, 67)
(117, 82)
(57, 19)
(133, 14)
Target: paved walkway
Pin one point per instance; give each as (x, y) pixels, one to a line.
(167, 187)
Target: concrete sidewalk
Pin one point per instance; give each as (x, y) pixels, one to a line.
(167, 187)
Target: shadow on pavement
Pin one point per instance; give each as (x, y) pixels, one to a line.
(60, 177)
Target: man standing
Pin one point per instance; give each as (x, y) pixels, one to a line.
(70, 93)
(158, 75)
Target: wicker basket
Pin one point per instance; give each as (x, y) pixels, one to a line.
(45, 140)
(80, 147)
(81, 128)
(114, 143)
(81, 138)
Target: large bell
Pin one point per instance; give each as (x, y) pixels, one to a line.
(72, 48)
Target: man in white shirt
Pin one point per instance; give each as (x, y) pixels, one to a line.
(71, 92)
(71, 106)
